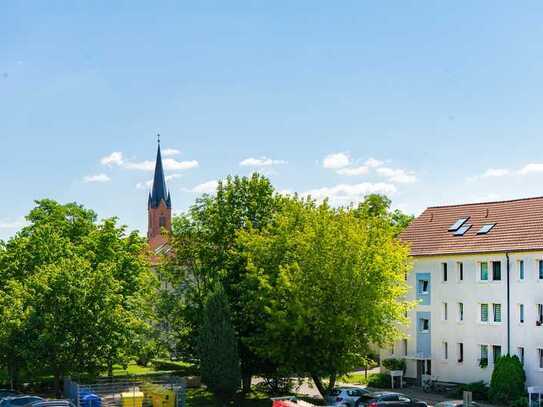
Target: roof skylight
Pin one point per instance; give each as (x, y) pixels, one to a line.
(458, 224)
(462, 230)
(486, 228)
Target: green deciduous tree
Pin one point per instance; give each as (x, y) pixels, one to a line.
(218, 347)
(206, 252)
(74, 294)
(325, 285)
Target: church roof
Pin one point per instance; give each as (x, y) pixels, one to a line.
(160, 191)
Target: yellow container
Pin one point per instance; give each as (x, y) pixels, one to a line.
(163, 398)
(132, 399)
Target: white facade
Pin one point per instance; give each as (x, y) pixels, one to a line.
(452, 324)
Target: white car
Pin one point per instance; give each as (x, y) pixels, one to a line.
(345, 396)
(454, 403)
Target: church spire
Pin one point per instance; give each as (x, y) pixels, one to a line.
(159, 191)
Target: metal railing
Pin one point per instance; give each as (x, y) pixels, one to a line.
(111, 391)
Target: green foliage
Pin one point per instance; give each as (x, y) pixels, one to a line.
(183, 368)
(75, 295)
(395, 364)
(217, 344)
(206, 252)
(520, 402)
(478, 389)
(325, 284)
(379, 381)
(354, 378)
(508, 380)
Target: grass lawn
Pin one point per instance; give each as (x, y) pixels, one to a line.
(354, 378)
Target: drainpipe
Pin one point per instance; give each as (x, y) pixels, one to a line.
(508, 305)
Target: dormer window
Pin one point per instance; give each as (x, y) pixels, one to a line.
(456, 226)
(486, 228)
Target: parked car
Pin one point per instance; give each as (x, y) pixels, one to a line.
(388, 399)
(345, 396)
(455, 403)
(7, 393)
(19, 401)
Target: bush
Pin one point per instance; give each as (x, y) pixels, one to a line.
(379, 380)
(479, 391)
(508, 379)
(276, 385)
(521, 402)
(394, 364)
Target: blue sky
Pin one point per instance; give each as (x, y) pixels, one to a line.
(445, 98)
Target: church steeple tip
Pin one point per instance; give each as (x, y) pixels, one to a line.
(159, 191)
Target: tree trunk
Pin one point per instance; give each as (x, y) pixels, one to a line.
(109, 368)
(57, 385)
(246, 380)
(320, 387)
(331, 382)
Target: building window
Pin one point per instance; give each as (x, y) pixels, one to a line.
(460, 311)
(423, 284)
(445, 311)
(496, 352)
(404, 346)
(444, 270)
(483, 361)
(521, 355)
(425, 324)
(521, 313)
(460, 268)
(540, 357)
(497, 311)
(445, 350)
(539, 321)
(460, 352)
(484, 271)
(496, 270)
(540, 267)
(162, 221)
(521, 269)
(484, 312)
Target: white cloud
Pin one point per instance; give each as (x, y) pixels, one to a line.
(173, 176)
(495, 172)
(168, 152)
(173, 165)
(96, 178)
(531, 168)
(144, 185)
(206, 188)
(13, 223)
(398, 176)
(260, 162)
(350, 193)
(170, 164)
(353, 171)
(115, 158)
(140, 166)
(336, 161)
(373, 163)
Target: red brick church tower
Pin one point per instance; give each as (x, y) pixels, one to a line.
(159, 207)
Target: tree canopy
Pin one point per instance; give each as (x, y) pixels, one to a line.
(73, 293)
(326, 284)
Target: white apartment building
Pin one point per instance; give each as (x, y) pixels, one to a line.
(478, 283)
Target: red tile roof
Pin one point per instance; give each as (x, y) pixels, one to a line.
(519, 226)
